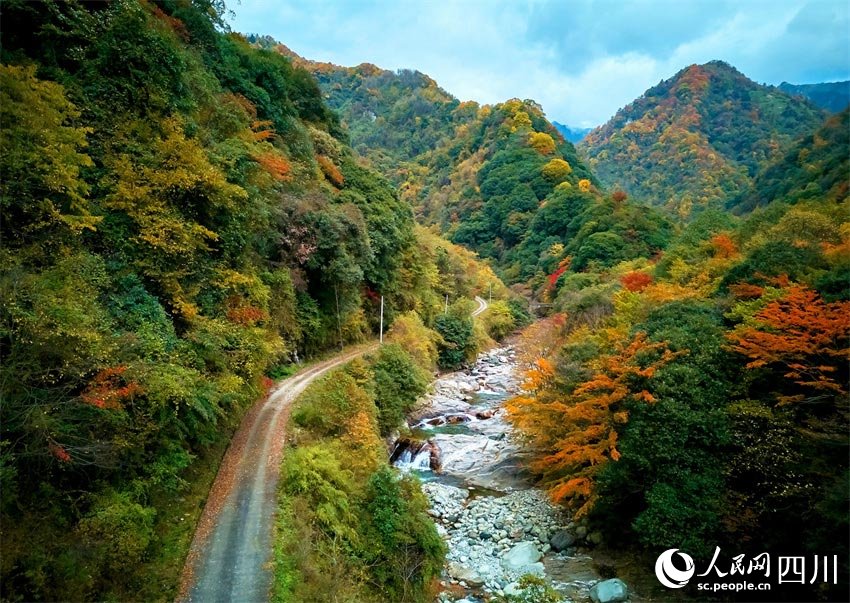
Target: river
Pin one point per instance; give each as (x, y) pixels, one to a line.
(496, 524)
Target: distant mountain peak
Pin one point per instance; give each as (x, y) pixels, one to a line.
(832, 96)
(697, 138)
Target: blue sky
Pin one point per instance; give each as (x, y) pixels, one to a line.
(581, 60)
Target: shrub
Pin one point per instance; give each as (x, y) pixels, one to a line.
(398, 383)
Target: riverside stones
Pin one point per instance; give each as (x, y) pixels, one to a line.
(504, 520)
(525, 553)
(609, 591)
(462, 573)
(561, 540)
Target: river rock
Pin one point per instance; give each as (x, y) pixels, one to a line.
(521, 555)
(462, 573)
(595, 538)
(609, 591)
(561, 540)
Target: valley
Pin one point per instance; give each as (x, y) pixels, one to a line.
(596, 346)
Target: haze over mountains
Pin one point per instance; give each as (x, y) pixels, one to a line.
(832, 96)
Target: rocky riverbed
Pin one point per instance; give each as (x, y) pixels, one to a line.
(497, 526)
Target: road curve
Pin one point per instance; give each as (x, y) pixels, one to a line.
(231, 550)
(482, 305)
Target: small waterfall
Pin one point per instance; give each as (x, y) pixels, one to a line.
(416, 455)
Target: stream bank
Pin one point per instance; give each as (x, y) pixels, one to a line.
(497, 526)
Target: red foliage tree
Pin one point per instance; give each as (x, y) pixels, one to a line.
(801, 335)
(109, 389)
(636, 281)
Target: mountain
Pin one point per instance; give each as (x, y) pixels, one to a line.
(486, 175)
(832, 96)
(815, 168)
(697, 138)
(574, 135)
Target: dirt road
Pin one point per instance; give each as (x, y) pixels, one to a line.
(482, 305)
(231, 552)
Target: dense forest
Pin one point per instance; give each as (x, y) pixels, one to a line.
(699, 398)
(697, 138)
(181, 217)
(187, 212)
(689, 387)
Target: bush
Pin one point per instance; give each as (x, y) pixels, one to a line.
(118, 531)
(499, 320)
(327, 405)
(404, 552)
(398, 383)
(419, 341)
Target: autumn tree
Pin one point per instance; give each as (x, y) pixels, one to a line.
(576, 433)
(801, 336)
(557, 170)
(542, 143)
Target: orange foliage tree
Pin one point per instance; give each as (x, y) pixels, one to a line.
(636, 281)
(803, 336)
(577, 433)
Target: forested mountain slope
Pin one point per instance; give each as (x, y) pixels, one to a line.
(485, 174)
(697, 138)
(816, 167)
(832, 96)
(180, 215)
(700, 399)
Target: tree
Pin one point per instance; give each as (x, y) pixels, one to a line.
(557, 170)
(803, 337)
(41, 158)
(577, 433)
(398, 384)
(542, 143)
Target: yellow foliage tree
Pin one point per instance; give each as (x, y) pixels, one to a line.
(542, 143)
(557, 170)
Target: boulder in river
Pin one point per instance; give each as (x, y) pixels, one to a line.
(462, 573)
(521, 555)
(561, 540)
(609, 591)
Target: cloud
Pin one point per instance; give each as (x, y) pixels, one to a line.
(582, 59)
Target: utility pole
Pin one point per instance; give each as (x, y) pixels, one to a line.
(381, 340)
(338, 322)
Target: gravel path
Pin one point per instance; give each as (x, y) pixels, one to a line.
(230, 553)
(482, 305)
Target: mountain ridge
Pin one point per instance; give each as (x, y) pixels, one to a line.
(832, 96)
(697, 138)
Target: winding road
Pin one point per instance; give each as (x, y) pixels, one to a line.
(482, 305)
(229, 560)
(230, 553)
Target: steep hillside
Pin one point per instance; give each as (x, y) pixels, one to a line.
(181, 217)
(484, 174)
(832, 96)
(695, 139)
(417, 134)
(815, 168)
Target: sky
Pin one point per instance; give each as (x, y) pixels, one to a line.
(582, 60)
